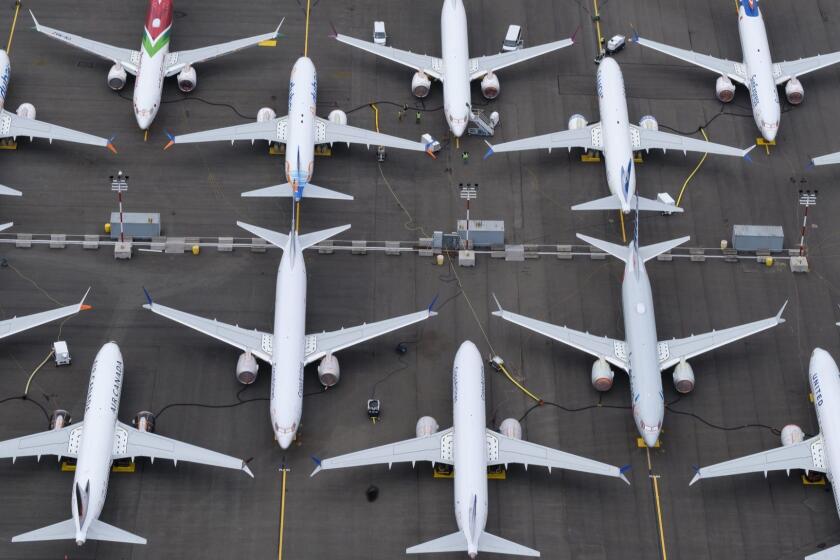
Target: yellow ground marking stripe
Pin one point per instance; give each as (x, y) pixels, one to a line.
(655, 479)
(285, 471)
(693, 173)
(14, 23)
(598, 26)
(306, 36)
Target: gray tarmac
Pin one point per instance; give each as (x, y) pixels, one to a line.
(199, 512)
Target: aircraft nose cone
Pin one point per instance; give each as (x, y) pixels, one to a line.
(285, 440)
(769, 134)
(459, 128)
(651, 438)
(144, 122)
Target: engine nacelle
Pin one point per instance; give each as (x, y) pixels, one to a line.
(247, 368)
(602, 375)
(328, 371)
(490, 86)
(26, 111)
(59, 419)
(511, 428)
(794, 91)
(648, 122)
(577, 122)
(724, 89)
(792, 434)
(187, 79)
(426, 426)
(420, 85)
(117, 77)
(683, 378)
(337, 116)
(144, 421)
(266, 114)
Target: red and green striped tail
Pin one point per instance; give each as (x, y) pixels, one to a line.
(158, 26)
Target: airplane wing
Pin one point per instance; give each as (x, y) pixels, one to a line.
(20, 324)
(429, 65)
(253, 341)
(481, 65)
(126, 57)
(610, 349)
(12, 125)
(671, 352)
(319, 345)
(327, 132)
(829, 159)
(733, 70)
(784, 71)
(177, 61)
(437, 448)
(131, 442)
(502, 450)
(274, 130)
(588, 137)
(807, 455)
(646, 139)
(63, 442)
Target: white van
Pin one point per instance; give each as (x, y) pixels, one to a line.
(379, 35)
(513, 39)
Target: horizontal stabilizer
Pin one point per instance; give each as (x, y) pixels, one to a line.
(613, 203)
(285, 191)
(66, 530)
(652, 251)
(100, 531)
(309, 239)
(498, 545)
(618, 251)
(7, 225)
(274, 237)
(455, 542)
(8, 191)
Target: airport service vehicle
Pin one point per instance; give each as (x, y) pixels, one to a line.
(455, 68)
(95, 443)
(289, 349)
(470, 447)
(153, 62)
(617, 138)
(301, 130)
(820, 453)
(513, 39)
(642, 356)
(379, 35)
(757, 72)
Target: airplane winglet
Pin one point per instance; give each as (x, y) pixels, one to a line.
(110, 144)
(246, 470)
(432, 305)
(317, 462)
(696, 475)
(35, 21)
(334, 33)
(572, 38)
(82, 305)
(782, 310)
(635, 38)
(148, 297)
(621, 472)
(810, 165)
(277, 31)
(171, 139)
(490, 151)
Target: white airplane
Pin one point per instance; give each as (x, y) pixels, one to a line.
(153, 62)
(641, 355)
(301, 130)
(95, 443)
(470, 447)
(289, 349)
(455, 69)
(820, 453)
(20, 324)
(757, 72)
(617, 139)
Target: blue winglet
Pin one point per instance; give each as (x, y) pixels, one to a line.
(810, 165)
(696, 469)
(169, 135)
(315, 460)
(748, 158)
(434, 301)
(148, 297)
(489, 152)
(635, 37)
(625, 468)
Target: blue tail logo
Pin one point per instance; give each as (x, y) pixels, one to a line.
(625, 177)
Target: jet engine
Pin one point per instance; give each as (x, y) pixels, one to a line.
(792, 434)
(26, 111)
(426, 426)
(724, 89)
(602, 375)
(328, 371)
(144, 421)
(187, 79)
(117, 77)
(794, 91)
(266, 114)
(683, 378)
(577, 122)
(511, 428)
(59, 419)
(337, 116)
(648, 122)
(420, 85)
(490, 86)
(247, 368)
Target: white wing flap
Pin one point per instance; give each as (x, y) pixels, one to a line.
(588, 138)
(63, 443)
(807, 455)
(784, 71)
(176, 61)
(829, 159)
(430, 65)
(502, 450)
(20, 324)
(14, 126)
(153, 446)
(734, 70)
(481, 65)
(658, 140)
(275, 130)
(328, 132)
(436, 448)
(331, 342)
(254, 341)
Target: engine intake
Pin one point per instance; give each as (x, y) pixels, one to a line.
(144, 421)
(247, 368)
(724, 89)
(26, 111)
(577, 122)
(794, 91)
(337, 116)
(792, 434)
(60, 419)
(420, 85)
(683, 378)
(328, 371)
(117, 77)
(266, 114)
(511, 428)
(490, 86)
(649, 122)
(187, 79)
(602, 375)
(426, 426)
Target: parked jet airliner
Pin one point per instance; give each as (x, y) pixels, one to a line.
(470, 447)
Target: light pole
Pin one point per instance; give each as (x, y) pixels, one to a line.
(807, 199)
(119, 184)
(468, 192)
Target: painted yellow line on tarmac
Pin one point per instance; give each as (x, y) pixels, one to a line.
(14, 24)
(655, 479)
(598, 26)
(285, 471)
(306, 36)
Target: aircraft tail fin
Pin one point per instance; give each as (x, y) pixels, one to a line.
(457, 542)
(498, 545)
(309, 239)
(613, 203)
(620, 252)
(652, 251)
(274, 237)
(285, 191)
(66, 530)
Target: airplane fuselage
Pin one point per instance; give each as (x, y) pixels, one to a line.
(94, 458)
(615, 127)
(455, 54)
(151, 69)
(758, 64)
(300, 144)
(824, 378)
(470, 453)
(647, 398)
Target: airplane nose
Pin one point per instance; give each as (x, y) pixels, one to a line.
(768, 133)
(285, 440)
(651, 438)
(144, 121)
(458, 128)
